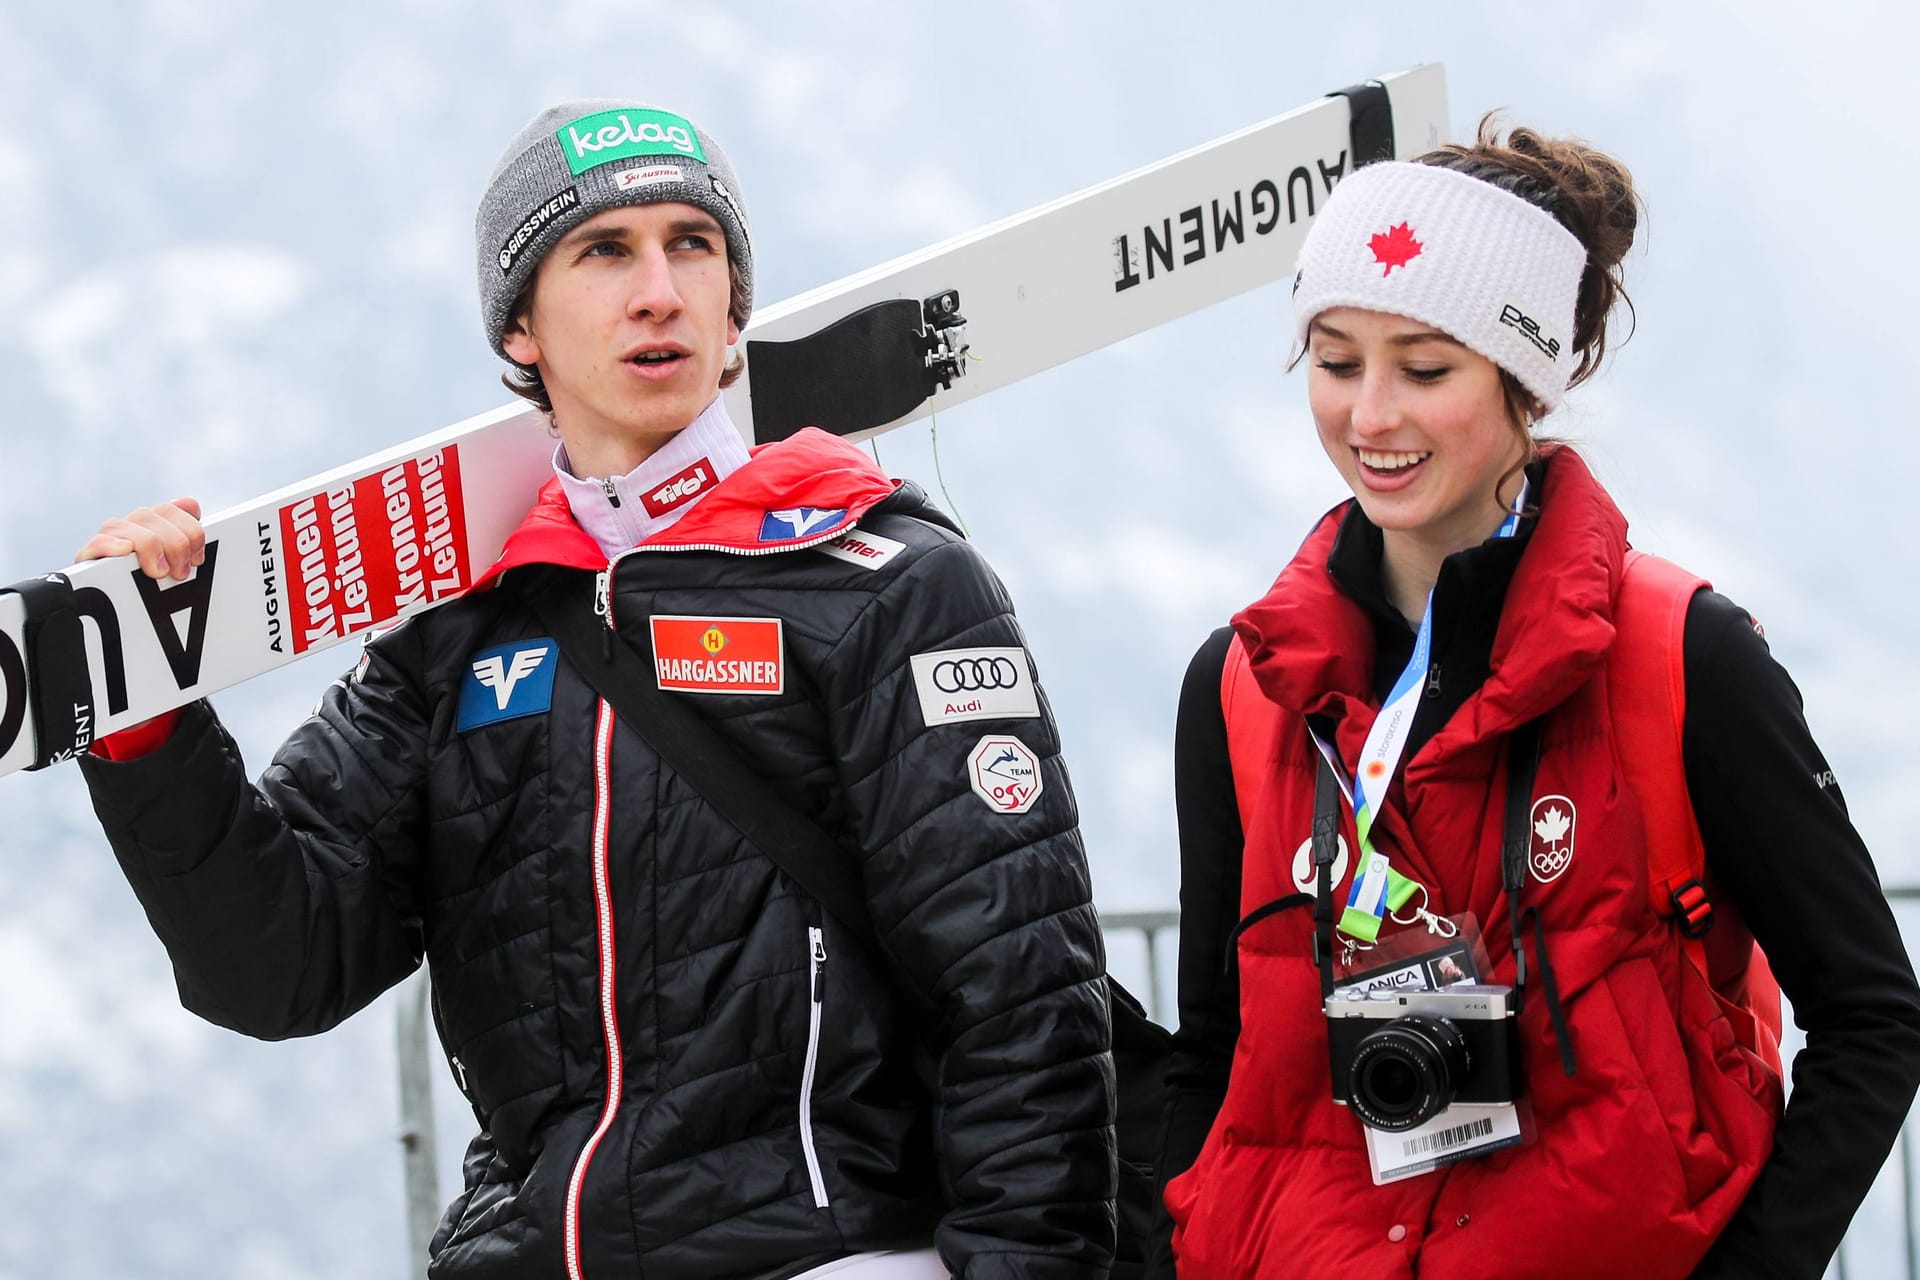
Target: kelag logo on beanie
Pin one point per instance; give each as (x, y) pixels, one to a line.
(607, 136)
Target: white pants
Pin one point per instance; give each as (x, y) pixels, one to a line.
(920, 1264)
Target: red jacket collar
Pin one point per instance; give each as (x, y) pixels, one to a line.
(792, 493)
(1311, 645)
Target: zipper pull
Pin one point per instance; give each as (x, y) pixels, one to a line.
(603, 608)
(819, 961)
(459, 1072)
(613, 495)
(1433, 681)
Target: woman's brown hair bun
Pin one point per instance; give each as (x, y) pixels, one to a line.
(1589, 192)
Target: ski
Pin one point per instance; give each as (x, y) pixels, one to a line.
(100, 646)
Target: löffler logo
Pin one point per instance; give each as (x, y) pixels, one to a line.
(1551, 852)
(681, 488)
(1395, 249)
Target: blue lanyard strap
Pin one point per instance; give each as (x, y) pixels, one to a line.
(1378, 888)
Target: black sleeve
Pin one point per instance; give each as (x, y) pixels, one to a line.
(1780, 846)
(287, 906)
(1209, 988)
(988, 915)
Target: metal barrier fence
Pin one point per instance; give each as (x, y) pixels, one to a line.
(418, 1146)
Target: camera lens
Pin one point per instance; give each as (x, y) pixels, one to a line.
(1407, 1072)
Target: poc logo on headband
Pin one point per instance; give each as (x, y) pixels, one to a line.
(607, 136)
(1529, 328)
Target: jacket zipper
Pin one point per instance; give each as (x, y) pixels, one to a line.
(603, 913)
(817, 976)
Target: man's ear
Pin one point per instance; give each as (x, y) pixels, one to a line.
(520, 345)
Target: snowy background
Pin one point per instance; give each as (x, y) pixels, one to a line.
(234, 249)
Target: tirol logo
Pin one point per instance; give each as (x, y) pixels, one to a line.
(534, 223)
(1551, 852)
(1004, 773)
(1529, 328)
(680, 488)
(607, 136)
(1395, 249)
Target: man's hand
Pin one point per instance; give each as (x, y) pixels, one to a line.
(167, 538)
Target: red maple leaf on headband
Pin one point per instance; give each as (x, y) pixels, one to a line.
(1395, 249)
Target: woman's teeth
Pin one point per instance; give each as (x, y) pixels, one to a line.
(1390, 461)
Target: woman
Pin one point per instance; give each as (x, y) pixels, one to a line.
(1471, 587)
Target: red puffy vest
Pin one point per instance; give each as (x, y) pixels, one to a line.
(1644, 1154)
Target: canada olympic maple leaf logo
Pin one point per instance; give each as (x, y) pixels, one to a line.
(1395, 249)
(1553, 820)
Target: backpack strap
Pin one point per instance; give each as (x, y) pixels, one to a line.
(1251, 721)
(1647, 699)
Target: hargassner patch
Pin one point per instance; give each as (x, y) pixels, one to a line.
(975, 684)
(506, 682)
(1004, 773)
(868, 550)
(533, 224)
(791, 523)
(718, 655)
(607, 136)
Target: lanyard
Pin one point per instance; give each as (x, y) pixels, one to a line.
(1378, 889)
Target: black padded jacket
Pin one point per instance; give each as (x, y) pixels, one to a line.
(680, 1066)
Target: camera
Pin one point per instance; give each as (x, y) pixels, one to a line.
(1400, 1058)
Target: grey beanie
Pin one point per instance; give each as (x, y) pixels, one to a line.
(579, 158)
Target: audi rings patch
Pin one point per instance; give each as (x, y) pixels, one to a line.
(1005, 774)
(718, 655)
(975, 684)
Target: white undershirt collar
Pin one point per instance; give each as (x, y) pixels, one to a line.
(623, 511)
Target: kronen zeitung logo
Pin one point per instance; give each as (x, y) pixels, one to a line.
(607, 136)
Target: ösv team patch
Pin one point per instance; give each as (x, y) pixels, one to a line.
(1005, 773)
(718, 655)
(506, 682)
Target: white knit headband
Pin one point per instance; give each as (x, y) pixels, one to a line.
(1434, 245)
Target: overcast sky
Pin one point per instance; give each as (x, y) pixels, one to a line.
(235, 249)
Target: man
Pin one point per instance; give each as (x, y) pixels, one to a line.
(681, 1065)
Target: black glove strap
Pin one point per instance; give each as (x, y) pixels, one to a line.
(60, 690)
